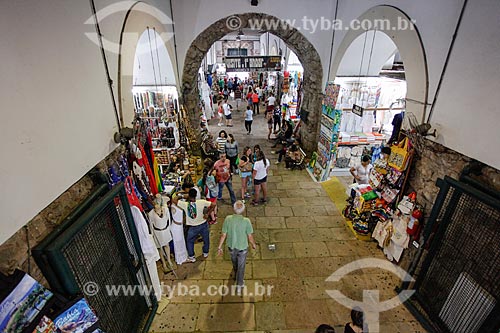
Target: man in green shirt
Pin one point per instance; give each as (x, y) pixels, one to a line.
(239, 231)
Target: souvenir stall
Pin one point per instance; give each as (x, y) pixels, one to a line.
(322, 159)
(380, 210)
(367, 129)
(161, 98)
(290, 98)
(169, 156)
(159, 112)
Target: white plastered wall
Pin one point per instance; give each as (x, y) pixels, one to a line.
(467, 112)
(57, 115)
(369, 63)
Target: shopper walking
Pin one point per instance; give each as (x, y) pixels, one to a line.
(256, 152)
(277, 119)
(248, 120)
(225, 92)
(246, 167)
(223, 175)
(249, 98)
(269, 117)
(220, 113)
(196, 222)
(210, 188)
(237, 97)
(271, 100)
(260, 170)
(238, 231)
(255, 102)
(221, 142)
(232, 152)
(227, 113)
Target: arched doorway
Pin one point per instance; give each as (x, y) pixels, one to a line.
(139, 18)
(305, 51)
(401, 30)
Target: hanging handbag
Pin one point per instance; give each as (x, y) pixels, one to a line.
(399, 155)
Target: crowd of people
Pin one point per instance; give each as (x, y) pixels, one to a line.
(195, 209)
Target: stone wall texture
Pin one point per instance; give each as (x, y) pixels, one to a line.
(16, 251)
(305, 51)
(437, 161)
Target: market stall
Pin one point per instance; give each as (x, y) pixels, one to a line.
(380, 210)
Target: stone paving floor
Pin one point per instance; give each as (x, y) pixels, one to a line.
(311, 242)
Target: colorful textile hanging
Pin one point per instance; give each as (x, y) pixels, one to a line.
(149, 172)
(157, 174)
(154, 163)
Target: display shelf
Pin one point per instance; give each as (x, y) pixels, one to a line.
(358, 143)
(365, 238)
(340, 172)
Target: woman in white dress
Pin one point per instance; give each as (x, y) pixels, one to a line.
(159, 217)
(160, 221)
(177, 230)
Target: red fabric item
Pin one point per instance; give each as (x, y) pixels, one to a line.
(133, 200)
(149, 172)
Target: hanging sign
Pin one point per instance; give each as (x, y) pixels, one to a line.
(249, 64)
(357, 110)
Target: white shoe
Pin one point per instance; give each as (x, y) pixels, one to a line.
(205, 255)
(277, 162)
(191, 259)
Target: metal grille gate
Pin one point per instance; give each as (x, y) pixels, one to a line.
(458, 285)
(102, 247)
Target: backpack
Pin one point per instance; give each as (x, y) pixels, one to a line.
(255, 98)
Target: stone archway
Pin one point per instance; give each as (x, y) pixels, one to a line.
(410, 47)
(139, 16)
(305, 51)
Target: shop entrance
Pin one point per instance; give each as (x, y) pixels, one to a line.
(457, 284)
(305, 51)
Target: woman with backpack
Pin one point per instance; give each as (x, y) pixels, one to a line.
(255, 102)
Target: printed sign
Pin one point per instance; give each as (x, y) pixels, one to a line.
(249, 64)
(76, 319)
(357, 110)
(23, 304)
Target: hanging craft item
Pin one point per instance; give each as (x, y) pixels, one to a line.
(400, 155)
(132, 197)
(147, 167)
